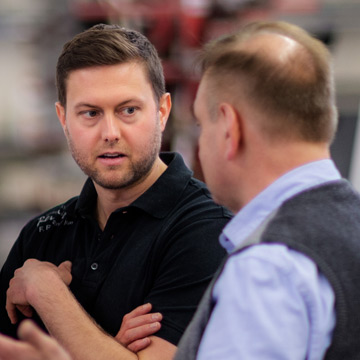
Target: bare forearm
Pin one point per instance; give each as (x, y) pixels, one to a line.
(72, 327)
(41, 285)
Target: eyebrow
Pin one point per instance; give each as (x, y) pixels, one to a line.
(79, 105)
(88, 105)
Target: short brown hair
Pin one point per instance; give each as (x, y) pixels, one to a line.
(299, 94)
(109, 45)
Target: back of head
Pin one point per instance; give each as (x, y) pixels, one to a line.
(280, 70)
(109, 45)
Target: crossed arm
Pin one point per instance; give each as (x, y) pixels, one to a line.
(36, 345)
(43, 286)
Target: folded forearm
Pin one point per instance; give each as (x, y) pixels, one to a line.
(66, 320)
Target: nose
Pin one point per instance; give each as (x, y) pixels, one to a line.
(111, 129)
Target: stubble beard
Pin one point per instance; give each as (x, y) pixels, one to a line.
(135, 173)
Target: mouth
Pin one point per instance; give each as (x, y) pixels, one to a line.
(111, 156)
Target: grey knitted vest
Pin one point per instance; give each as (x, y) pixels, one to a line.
(324, 224)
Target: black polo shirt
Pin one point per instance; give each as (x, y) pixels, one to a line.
(162, 249)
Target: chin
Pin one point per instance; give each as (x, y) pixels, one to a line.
(112, 183)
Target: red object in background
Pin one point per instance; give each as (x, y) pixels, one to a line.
(191, 30)
(194, 14)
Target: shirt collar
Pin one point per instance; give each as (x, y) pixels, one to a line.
(288, 185)
(159, 199)
(164, 194)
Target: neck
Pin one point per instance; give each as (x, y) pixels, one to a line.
(272, 164)
(110, 200)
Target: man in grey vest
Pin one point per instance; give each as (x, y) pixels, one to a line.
(289, 288)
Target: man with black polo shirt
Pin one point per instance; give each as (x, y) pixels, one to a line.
(141, 231)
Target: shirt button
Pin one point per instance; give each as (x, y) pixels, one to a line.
(94, 266)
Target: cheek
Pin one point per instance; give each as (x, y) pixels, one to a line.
(206, 140)
(200, 146)
(204, 149)
(137, 135)
(82, 139)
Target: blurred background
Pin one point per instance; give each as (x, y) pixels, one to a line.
(37, 171)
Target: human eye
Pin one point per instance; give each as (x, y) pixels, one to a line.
(90, 114)
(130, 110)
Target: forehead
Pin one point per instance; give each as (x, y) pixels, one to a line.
(126, 78)
(129, 70)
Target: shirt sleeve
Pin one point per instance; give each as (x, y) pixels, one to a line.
(271, 303)
(186, 265)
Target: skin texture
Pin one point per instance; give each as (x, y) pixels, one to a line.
(63, 271)
(123, 123)
(35, 345)
(35, 283)
(111, 111)
(137, 326)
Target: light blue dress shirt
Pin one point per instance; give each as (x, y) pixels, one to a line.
(271, 301)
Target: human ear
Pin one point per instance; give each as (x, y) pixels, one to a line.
(164, 109)
(231, 121)
(60, 112)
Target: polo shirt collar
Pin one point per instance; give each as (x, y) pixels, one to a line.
(158, 200)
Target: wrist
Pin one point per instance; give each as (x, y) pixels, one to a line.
(43, 287)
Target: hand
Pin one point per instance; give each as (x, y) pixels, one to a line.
(35, 345)
(64, 271)
(137, 326)
(28, 277)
